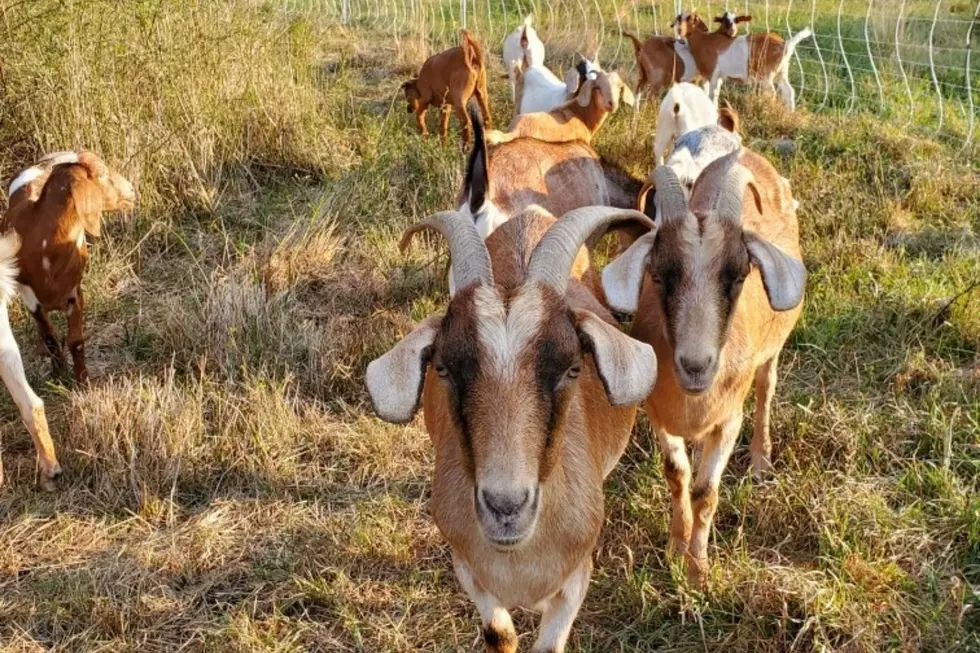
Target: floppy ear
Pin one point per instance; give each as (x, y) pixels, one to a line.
(719, 19)
(394, 381)
(585, 93)
(623, 277)
(783, 276)
(627, 367)
(626, 95)
(743, 19)
(87, 197)
(572, 81)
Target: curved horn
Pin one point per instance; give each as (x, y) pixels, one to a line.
(470, 258)
(670, 195)
(729, 204)
(551, 261)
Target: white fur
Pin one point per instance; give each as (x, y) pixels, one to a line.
(685, 107)
(394, 381)
(28, 297)
(543, 91)
(503, 333)
(24, 178)
(514, 54)
(623, 277)
(690, 67)
(9, 246)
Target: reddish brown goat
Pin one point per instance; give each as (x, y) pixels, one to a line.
(448, 80)
(52, 206)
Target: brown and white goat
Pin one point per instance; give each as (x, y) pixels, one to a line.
(12, 369)
(527, 387)
(448, 80)
(763, 56)
(717, 288)
(661, 62)
(53, 205)
(576, 120)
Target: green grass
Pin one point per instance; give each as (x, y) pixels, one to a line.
(227, 487)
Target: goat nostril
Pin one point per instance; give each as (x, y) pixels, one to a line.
(695, 366)
(504, 504)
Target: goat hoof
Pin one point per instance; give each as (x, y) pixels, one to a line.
(500, 642)
(761, 467)
(49, 479)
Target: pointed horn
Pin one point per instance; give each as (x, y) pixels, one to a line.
(737, 177)
(670, 195)
(552, 259)
(470, 258)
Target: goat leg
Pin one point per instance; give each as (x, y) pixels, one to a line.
(49, 338)
(499, 635)
(76, 336)
(677, 471)
(765, 389)
(561, 610)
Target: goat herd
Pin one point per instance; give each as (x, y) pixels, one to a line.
(528, 386)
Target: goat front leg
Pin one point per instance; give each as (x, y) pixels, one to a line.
(765, 389)
(499, 635)
(76, 336)
(30, 405)
(716, 450)
(561, 610)
(677, 471)
(420, 121)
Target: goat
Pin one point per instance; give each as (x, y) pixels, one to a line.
(522, 50)
(661, 62)
(685, 107)
(729, 23)
(452, 76)
(576, 120)
(540, 90)
(717, 288)
(527, 387)
(53, 205)
(12, 369)
(763, 56)
(558, 177)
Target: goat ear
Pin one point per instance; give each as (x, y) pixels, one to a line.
(395, 381)
(623, 277)
(585, 93)
(87, 197)
(719, 19)
(626, 95)
(783, 276)
(743, 19)
(572, 81)
(627, 367)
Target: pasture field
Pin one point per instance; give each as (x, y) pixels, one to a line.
(227, 487)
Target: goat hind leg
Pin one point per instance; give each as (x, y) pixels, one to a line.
(444, 123)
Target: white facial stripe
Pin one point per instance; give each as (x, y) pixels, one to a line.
(24, 178)
(730, 17)
(504, 335)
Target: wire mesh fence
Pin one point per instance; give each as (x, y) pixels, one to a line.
(909, 61)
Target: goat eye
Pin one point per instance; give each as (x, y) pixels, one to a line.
(442, 371)
(574, 371)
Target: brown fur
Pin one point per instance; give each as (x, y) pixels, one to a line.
(448, 80)
(658, 64)
(51, 215)
(572, 121)
(754, 338)
(705, 46)
(765, 53)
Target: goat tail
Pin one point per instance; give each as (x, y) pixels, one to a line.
(476, 184)
(9, 246)
(637, 43)
(791, 44)
(472, 51)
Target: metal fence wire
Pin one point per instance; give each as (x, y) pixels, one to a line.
(909, 61)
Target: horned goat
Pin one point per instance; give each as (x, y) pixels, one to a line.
(717, 288)
(527, 387)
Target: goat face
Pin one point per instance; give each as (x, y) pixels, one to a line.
(117, 192)
(606, 89)
(412, 95)
(499, 376)
(729, 22)
(685, 23)
(697, 263)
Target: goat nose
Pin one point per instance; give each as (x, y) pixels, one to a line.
(696, 366)
(505, 504)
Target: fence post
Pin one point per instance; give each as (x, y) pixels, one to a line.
(462, 12)
(344, 12)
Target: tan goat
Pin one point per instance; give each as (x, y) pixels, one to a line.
(576, 120)
(720, 285)
(448, 80)
(52, 207)
(527, 387)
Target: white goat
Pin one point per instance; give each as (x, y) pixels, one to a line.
(523, 49)
(685, 107)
